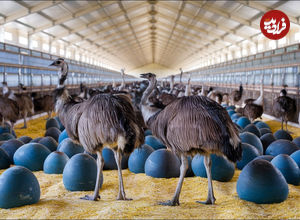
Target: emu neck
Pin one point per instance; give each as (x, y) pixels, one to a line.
(188, 89)
(260, 99)
(8, 93)
(62, 74)
(202, 90)
(171, 84)
(147, 110)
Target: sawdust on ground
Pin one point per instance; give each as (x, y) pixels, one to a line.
(146, 192)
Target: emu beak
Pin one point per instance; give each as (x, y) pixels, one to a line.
(52, 64)
(143, 75)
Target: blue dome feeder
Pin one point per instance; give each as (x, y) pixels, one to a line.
(10, 147)
(31, 156)
(282, 134)
(110, 162)
(249, 152)
(162, 163)
(252, 129)
(52, 122)
(252, 139)
(281, 146)
(260, 182)
(63, 135)
(296, 157)
(18, 187)
(25, 139)
(80, 173)
(69, 147)
(49, 142)
(55, 163)
(53, 132)
(265, 131)
(266, 140)
(4, 160)
(243, 122)
(221, 169)
(137, 159)
(154, 142)
(288, 167)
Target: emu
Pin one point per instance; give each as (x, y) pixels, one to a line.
(254, 108)
(102, 120)
(23, 101)
(189, 125)
(284, 107)
(9, 111)
(236, 95)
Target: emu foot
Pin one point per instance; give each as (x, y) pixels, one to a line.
(24, 127)
(209, 201)
(91, 198)
(120, 197)
(169, 203)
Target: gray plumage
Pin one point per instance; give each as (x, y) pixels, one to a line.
(43, 103)
(189, 125)
(284, 107)
(9, 111)
(103, 120)
(23, 101)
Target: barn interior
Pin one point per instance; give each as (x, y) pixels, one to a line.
(212, 49)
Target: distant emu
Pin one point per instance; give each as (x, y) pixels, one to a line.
(190, 125)
(284, 107)
(23, 101)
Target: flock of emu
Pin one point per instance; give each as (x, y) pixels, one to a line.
(187, 119)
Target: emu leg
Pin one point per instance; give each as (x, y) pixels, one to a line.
(286, 122)
(24, 118)
(118, 158)
(183, 168)
(281, 123)
(49, 115)
(100, 164)
(210, 198)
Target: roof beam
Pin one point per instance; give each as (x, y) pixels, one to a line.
(89, 9)
(98, 21)
(211, 8)
(263, 9)
(189, 15)
(103, 31)
(27, 11)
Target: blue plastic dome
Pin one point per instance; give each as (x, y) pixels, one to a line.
(80, 173)
(162, 163)
(281, 146)
(248, 154)
(252, 139)
(221, 169)
(288, 167)
(138, 157)
(55, 162)
(18, 187)
(260, 182)
(31, 156)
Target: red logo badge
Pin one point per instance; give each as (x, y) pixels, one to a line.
(275, 24)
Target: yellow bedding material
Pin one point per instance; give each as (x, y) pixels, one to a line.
(57, 202)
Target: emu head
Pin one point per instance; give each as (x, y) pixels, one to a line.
(148, 76)
(21, 86)
(63, 73)
(283, 92)
(5, 88)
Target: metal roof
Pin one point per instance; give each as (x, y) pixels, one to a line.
(137, 34)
